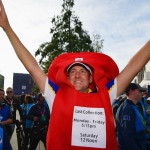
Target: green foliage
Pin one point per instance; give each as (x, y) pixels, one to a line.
(35, 89)
(97, 43)
(1, 82)
(67, 36)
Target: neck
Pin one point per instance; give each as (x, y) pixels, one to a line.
(9, 98)
(135, 101)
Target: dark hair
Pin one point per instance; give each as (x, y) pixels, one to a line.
(39, 96)
(29, 99)
(1, 90)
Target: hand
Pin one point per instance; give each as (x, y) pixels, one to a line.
(3, 17)
(148, 112)
(148, 130)
(35, 119)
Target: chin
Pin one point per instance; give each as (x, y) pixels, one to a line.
(78, 89)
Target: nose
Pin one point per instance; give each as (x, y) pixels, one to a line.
(77, 74)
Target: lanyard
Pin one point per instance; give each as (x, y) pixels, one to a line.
(42, 110)
(10, 102)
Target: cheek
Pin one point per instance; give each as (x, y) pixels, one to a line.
(70, 79)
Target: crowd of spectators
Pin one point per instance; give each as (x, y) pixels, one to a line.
(132, 116)
(34, 116)
(131, 113)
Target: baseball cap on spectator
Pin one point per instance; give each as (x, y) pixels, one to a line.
(134, 86)
(79, 64)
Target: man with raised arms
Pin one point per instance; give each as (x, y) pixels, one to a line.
(69, 78)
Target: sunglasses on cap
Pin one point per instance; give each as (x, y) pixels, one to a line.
(9, 92)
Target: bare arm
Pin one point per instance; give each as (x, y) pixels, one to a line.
(23, 54)
(8, 121)
(138, 61)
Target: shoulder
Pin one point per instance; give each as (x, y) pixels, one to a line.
(110, 85)
(126, 107)
(52, 86)
(3, 128)
(15, 100)
(6, 106)
(112, 90)
(33, 106)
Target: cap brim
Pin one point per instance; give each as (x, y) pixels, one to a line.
(143, 89)
(81, 64)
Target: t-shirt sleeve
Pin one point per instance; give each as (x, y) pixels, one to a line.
(112, 89)
(50, 92)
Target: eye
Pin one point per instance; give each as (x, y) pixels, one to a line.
(72, 72)
(83, 71)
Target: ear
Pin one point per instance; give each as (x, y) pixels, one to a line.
(131, 91)
(67, 77)
(90, 79)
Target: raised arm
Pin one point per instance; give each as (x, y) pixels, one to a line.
(138, 61)
(23, 54)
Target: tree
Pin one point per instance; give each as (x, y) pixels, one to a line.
(67, 36)
(35, 89)
(1, 82)
(97, 43)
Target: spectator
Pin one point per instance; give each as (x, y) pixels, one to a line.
(146, 114)
(144, 106)
(22, 99)
(4, 139)
(117, 104)
(148, 103)
(28, 124)
(33, 95)
(131, 127)
(5, 115)
(40, 115)
(14, 105)
(147, 117)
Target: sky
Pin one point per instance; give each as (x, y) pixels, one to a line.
(123, 24)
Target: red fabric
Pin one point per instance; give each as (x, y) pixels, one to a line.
(60, 128)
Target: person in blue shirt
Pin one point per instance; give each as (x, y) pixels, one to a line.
(146, 114)
(14, 106)
(27, 124)
(4, 139)
(5, 114)
(131, 127)
(40, 115)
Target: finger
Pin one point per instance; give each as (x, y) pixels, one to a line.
(1, 5)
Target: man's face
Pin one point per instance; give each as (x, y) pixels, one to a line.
(1, 95)
(138, 94)
(80, 78)
(9, 93)
(41, 99)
